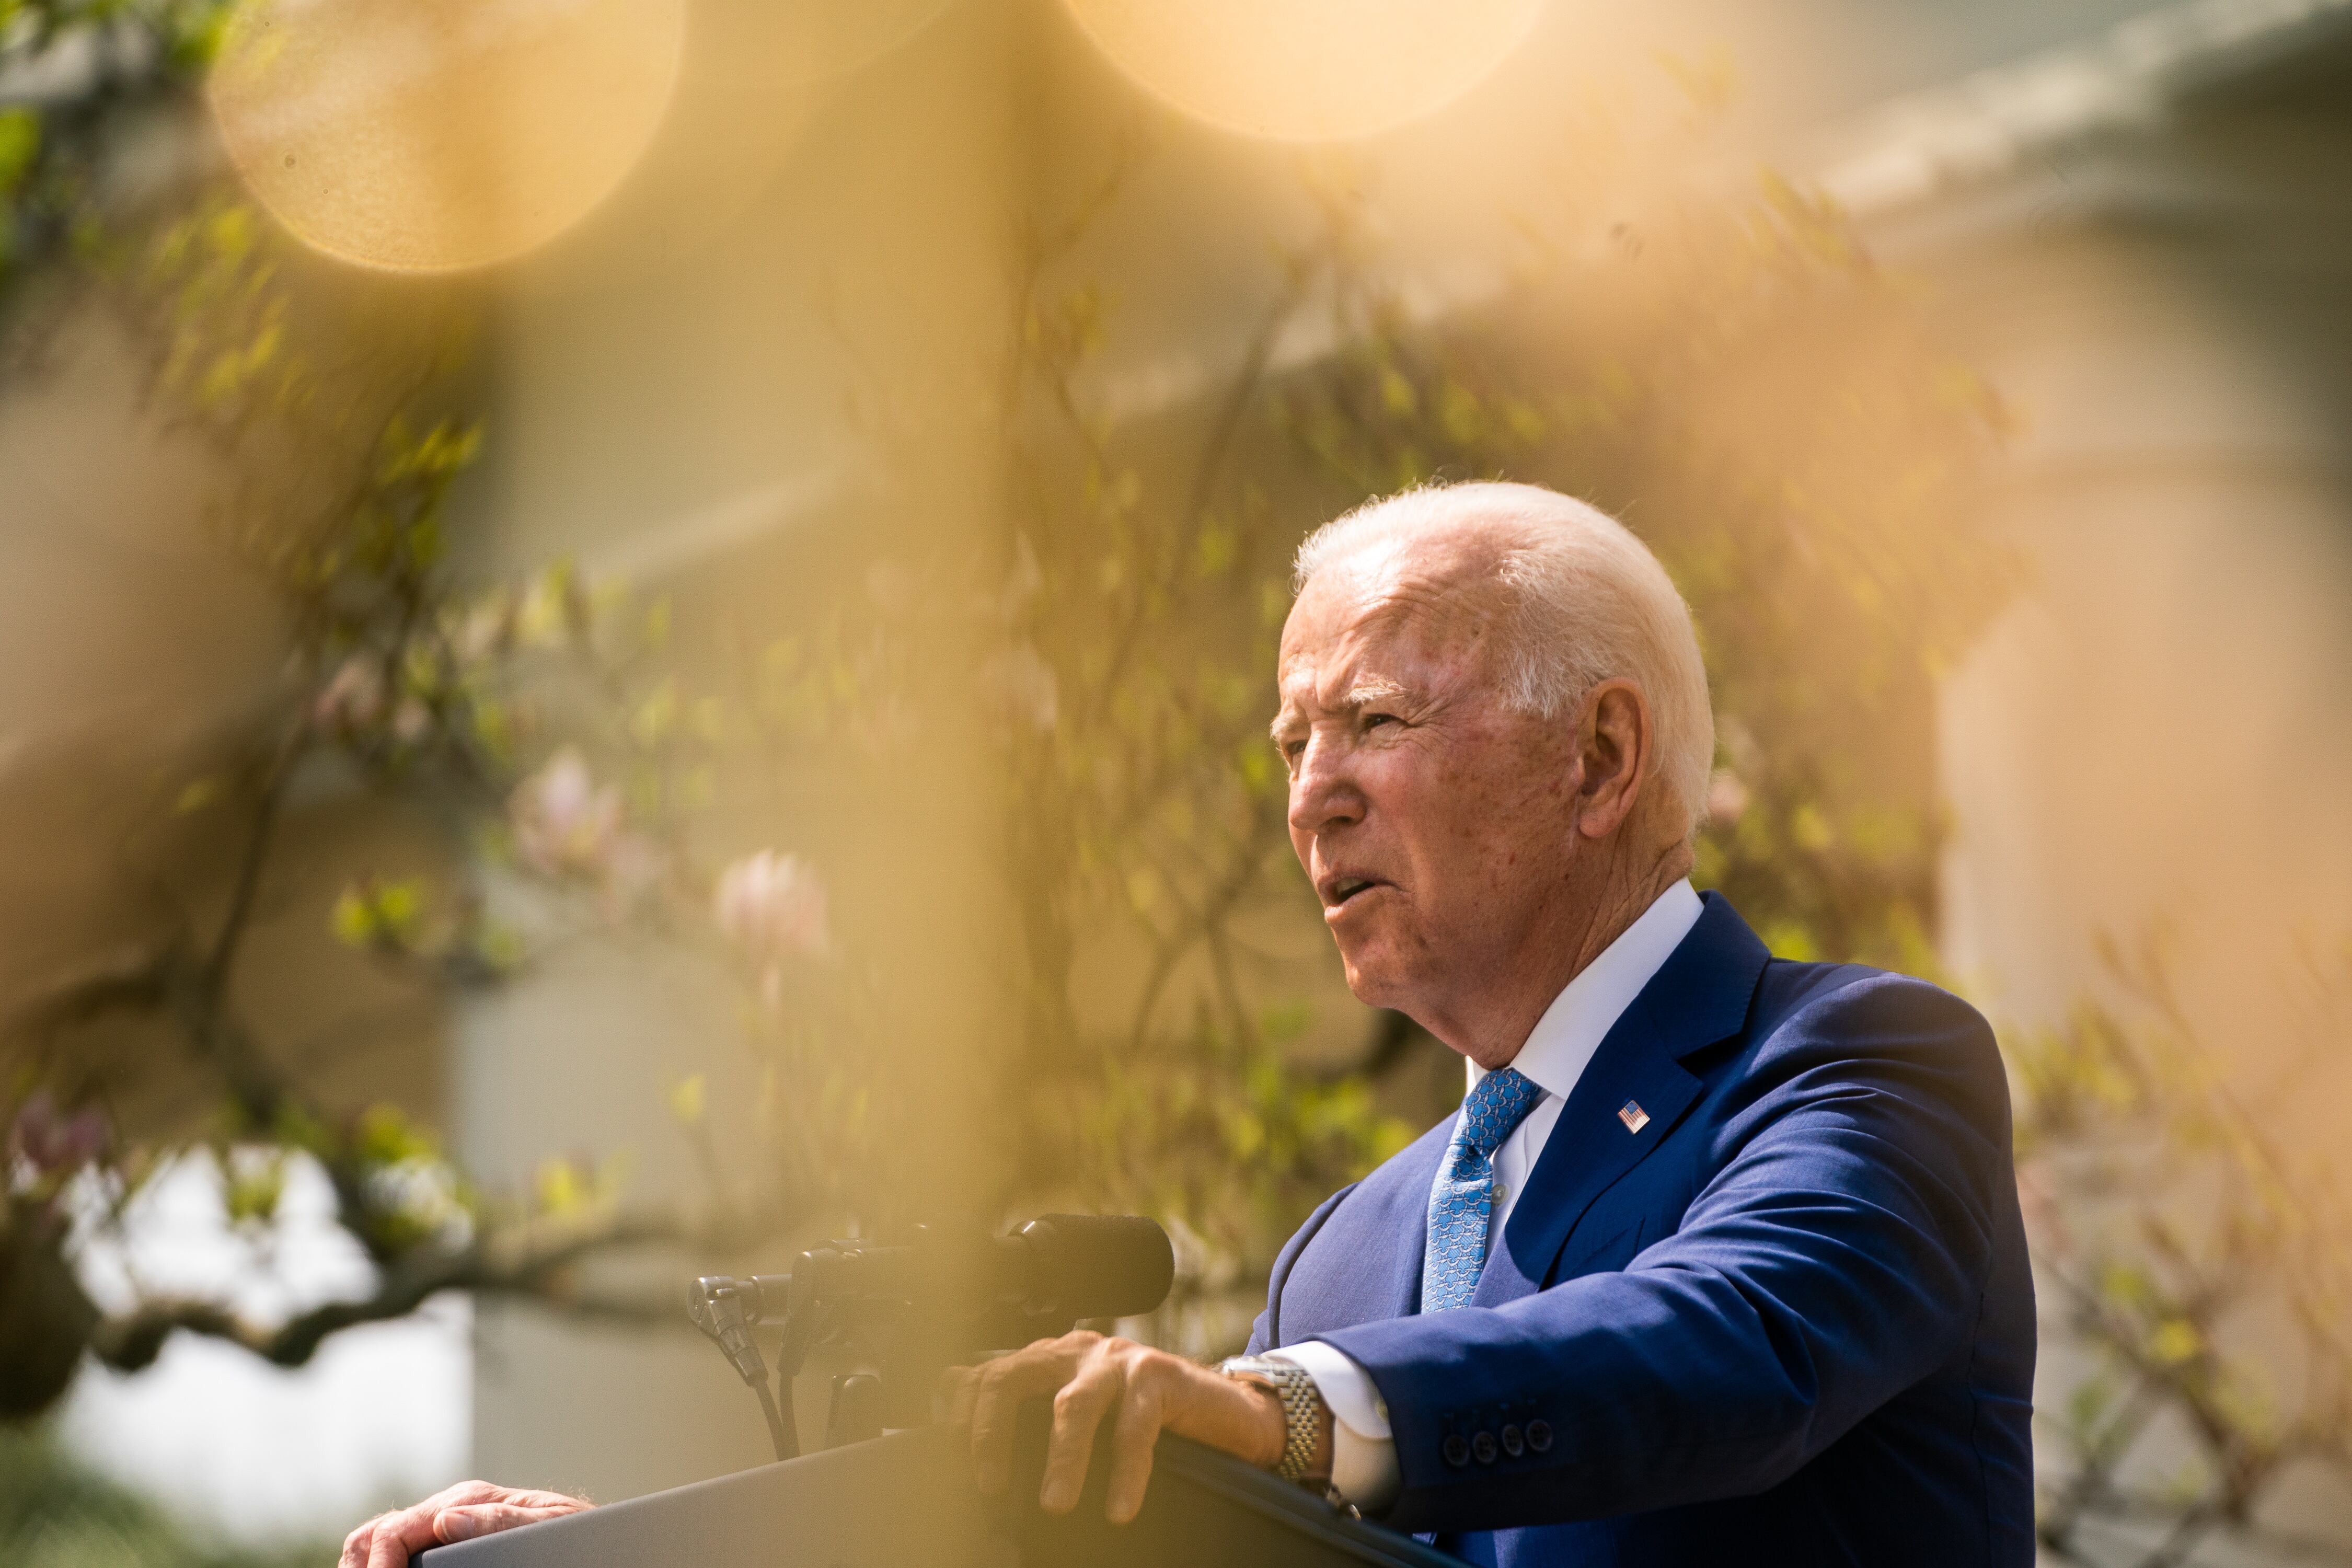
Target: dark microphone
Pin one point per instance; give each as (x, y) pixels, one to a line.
(1092, 1265)
(937, 1295)
(1060, 1266)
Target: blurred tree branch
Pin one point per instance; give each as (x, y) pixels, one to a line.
(2176, 1228)
(520, 1265)
(338, 446)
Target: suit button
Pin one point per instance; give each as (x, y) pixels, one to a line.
(1539, 1435)
(1513, 1443)
(1485, 1448)
(1455, 1449)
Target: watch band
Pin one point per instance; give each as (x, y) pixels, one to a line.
(1302, 1408)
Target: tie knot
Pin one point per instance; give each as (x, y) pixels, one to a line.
(1495, 1106)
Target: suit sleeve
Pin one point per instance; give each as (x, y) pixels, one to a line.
(1838, 1254)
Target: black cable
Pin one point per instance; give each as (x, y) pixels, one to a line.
(780, 1427)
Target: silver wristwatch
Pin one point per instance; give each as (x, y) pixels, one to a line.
(1302, 1408)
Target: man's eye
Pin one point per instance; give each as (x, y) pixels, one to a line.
(1374, 721)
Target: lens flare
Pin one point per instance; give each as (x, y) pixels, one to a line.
(1306, 71)
(752, 74)
(834, 37)
(435, 135)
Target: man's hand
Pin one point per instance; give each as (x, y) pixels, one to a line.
(460, 1513)
(1143, 1391)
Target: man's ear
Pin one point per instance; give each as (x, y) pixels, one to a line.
(1615, 739)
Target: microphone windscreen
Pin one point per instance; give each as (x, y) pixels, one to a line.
(1101, 1265)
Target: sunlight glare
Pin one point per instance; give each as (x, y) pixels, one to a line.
(1306, 71)
(835, 38)
(434, 135)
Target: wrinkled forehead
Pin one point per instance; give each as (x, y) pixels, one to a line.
(1433, 598)
(1415, 611)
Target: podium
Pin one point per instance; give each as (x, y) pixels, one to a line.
(907, 1497)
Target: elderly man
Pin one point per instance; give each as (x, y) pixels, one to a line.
(1721, 1258)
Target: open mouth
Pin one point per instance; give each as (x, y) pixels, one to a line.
(1347, 887)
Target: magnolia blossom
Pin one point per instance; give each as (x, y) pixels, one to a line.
(52, 1142)
(352, 698)
(1025, 684)
(563, 821)
(773, 908)
(482, 630)
(412, 720)
(1727, 798)
(635, 869)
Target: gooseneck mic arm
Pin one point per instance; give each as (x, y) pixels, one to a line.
(718, 1306)
(935, 1297)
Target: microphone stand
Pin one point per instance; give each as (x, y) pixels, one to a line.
(716, 1304)
(892, 1297)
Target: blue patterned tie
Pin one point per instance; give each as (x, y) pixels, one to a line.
(1461, 1199)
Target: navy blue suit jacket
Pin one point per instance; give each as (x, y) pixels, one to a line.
(1788, 1320)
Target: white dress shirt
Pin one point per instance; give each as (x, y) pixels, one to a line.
(1363, 1452)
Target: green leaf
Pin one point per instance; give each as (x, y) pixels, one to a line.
(389, 916)
(499, 947)
(655, 716)
(2174, 1340)
(196, 794)
(256, 1183)
(352, 921)
(384, 1135)
(20, 144)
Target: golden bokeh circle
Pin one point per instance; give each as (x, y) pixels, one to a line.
(834, 37)
(435, 135)
(1306, 71)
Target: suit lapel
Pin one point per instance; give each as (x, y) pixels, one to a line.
(1700, 995)
(1364, 1264)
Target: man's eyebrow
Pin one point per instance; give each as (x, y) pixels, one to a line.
(1370, 690)
(1366, 692)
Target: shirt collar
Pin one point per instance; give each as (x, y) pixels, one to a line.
(1588, 1007)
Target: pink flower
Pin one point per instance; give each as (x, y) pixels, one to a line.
(1025, 684)
(635, 869)
(483, 630)
(1727, 798)
(773, 908)
(411, 721)
(53, 1143)
(562, 821)
(352, 698)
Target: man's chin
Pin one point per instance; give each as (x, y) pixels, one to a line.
(1374, 977)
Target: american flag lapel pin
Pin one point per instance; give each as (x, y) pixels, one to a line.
(1631, 1114)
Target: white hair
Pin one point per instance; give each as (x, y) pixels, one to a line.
(1593, 604)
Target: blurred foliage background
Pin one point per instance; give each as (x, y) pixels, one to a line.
(57, 1514)
(1724, 365)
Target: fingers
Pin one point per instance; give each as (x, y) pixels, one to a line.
(1078, 1409)
(356, 1544)
(1141, 1414)
(487, 1517)
(477, 1507)
(399, 1536)
(1001, 1386)
(1089, 1378)
(560, 1502)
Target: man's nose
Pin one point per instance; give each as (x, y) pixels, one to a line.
(1324, 791)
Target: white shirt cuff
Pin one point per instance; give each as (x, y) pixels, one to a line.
(1363, 1450)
